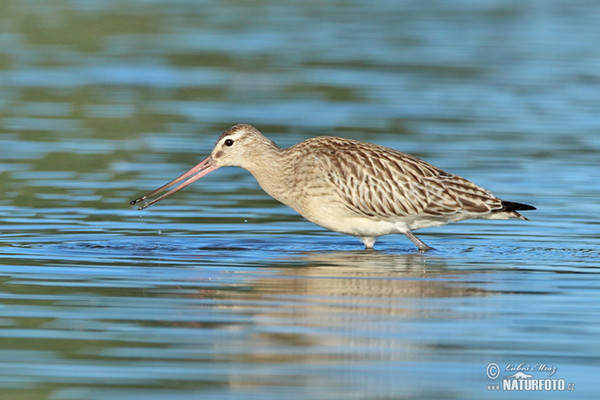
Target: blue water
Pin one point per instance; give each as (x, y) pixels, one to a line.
(219, 292)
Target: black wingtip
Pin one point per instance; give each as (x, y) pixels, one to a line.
(513, 206)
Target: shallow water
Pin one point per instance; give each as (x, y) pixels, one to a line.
(220, 292)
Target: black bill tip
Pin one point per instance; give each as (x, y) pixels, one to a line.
(133, 202)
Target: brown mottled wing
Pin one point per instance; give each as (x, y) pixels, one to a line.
(381, 182)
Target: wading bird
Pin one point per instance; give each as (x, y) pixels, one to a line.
(352, 187)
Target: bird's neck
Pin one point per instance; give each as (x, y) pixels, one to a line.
(271, 172)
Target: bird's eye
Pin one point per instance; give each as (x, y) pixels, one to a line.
(229, 142)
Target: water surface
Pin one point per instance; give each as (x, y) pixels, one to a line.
(220, 292)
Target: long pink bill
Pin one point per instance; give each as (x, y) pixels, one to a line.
(204, 168)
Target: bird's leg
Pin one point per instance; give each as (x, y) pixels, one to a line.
(369, 241)
(420, 244)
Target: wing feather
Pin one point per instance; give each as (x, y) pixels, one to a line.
(376, 181)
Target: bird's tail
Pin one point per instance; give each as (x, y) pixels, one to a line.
(512, 207)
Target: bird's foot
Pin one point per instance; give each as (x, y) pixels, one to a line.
(425, 249)
(420, 244)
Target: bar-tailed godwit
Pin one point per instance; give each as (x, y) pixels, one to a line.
(352, 187)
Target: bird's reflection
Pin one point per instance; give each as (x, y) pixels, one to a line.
(348, 305)
(368, 274)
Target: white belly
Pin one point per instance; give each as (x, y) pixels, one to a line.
(334, 216)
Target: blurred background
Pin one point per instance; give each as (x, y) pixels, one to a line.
(221, 292)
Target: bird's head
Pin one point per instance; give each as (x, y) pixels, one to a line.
(241, 145)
